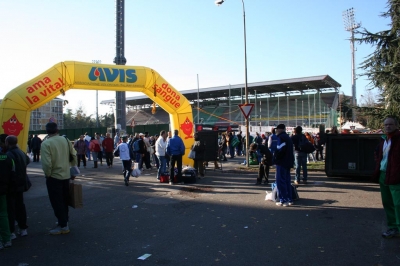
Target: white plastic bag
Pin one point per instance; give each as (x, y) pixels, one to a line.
(269, 196)
(135, 172)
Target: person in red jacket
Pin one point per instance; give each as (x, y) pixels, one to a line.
(387, 173)
(108, 145)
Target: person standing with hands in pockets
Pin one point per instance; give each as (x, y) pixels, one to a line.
(57, 153)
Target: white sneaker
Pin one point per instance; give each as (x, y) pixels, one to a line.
(279, 204)
(7, 244)
(285, 204)
(13, 236)
(24, 232)
(59, 230)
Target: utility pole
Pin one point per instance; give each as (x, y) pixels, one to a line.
(350, 25)
(120, 98)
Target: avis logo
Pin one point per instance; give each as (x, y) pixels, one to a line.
(111, 74)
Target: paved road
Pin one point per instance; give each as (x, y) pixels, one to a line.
(221, 220)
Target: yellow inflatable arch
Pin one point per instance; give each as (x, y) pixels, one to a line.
(16, 107)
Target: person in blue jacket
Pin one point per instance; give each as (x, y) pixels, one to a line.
(284, 160)
(175, 149)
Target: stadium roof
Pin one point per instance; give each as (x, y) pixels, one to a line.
(323, 83)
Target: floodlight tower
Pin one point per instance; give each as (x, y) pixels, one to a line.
(120, 98)
(351, 25)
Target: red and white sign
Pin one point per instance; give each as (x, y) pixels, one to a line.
(246, 109)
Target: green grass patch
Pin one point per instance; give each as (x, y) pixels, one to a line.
(316, 166)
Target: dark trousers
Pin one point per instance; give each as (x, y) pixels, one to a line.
(319, 152)
(36, 153)
(58, 191)
(146, 160)
(199, 166)
(16, 210)
(109, 158)
(127, 168)
(178, 160)
(83, 158)
(232, 151)
(100, 157)
(263, 172)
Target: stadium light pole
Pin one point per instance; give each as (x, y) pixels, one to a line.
(351, 25)
(246, 92)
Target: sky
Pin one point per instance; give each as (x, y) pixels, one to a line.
(181, 39)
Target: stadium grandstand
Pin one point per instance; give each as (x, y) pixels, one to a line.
(307, 101)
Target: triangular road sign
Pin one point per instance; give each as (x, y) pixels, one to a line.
(246, 109)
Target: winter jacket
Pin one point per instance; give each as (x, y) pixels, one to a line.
(284, 153)
(393, 166)
(6, 165)
(94, 145)
(21, 160)
(80, 147)
(108, 144)
(55, 157)
(318, 144)
(296, 142)
(35, 143)
(161, 146)
(175, 146)
(272, 143)
(142, 146)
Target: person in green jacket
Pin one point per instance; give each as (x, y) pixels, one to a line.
(58, 156)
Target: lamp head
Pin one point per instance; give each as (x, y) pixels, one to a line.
(219, 2)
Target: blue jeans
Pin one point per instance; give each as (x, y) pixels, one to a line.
(162, 165)
(300, 160)
(232, 151)
(283, 184)
(139, 160)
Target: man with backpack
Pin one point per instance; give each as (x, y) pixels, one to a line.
(300, 157)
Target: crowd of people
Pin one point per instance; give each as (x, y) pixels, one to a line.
(164, 152)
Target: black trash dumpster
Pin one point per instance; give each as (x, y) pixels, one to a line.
(350, 155)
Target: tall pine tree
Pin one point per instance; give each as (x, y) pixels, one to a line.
(382, 67)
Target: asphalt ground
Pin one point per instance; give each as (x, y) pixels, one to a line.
(223, 219)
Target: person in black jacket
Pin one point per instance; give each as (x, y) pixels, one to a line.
(198, 147)
(15, 198)
(300, 157)
(36, 142)
(266, 162)
(319, 147)
(6, 166)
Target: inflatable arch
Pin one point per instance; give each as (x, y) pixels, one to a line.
(16, 107)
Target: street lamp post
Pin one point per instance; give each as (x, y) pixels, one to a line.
(246, 92)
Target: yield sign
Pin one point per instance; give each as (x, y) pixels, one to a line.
(246, 109)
